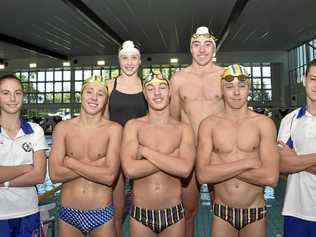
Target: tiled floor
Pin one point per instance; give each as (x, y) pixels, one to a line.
(203, 220)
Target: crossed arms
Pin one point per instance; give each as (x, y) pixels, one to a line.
(139, 161)
(212, 169)
(64, 168)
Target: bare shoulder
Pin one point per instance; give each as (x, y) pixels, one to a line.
(263, 121)
(217, 70)
(108, 125)
(136, 122)
(179, 76)
(66, 125)
(210, 120)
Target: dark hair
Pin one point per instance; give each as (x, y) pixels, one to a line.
(10, 77)
(309, 65)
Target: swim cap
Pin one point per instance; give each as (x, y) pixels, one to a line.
(155, 79)
(99, 80)
(128, 47)
(203, 33)
(235, 70)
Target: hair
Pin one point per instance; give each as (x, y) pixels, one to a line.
(309, 65)
(11, 77)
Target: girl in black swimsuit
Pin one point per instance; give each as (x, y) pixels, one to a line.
(126, 101)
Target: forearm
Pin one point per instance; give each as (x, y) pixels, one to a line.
(264, 176)
(61, 174)
(169, 164)
(216, 173)
(312, 169)
(28, 179)
(139, 169)
(11, 172)
(104, 175)
(293, 164)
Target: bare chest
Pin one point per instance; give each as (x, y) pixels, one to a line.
(90, 145)
(161, 139)
(201, 89)
(243, 138)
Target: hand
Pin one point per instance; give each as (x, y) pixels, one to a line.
(140, 151)
(68, 161)
(285, 150)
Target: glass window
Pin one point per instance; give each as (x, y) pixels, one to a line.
(78, 86)
(40, 98)
(41, 76)
(49, 86)
(86, 74)
(106, 73)
(49, 76)
(58, 97)
(58, 76)
(78, 75)
(114, 73)
(266, 83)
(41, 87)
(256, 71)
(67, 76)
(96, 72)
(58, 86)
(66, 97)
(66, 86)
(266, 71)
(33, 76)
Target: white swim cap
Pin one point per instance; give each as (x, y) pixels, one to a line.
(128, 47)
(202, 32)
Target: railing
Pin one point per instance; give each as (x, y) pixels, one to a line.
(47, 220)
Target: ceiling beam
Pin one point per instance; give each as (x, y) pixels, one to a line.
(23, 44)
(80, 7)
(234, 15)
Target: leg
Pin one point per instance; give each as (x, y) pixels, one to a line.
(190, 197)
(257, 228)
(221, 228)
(118, 203)
(295, 227)
(67, 230)
(107, 229)
(137, 229)
(176, 230)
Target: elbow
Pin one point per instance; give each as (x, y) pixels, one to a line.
(200, 177)
(38, 178)
(129, 172)
(187, 171)
(109, 180)
(273, 180)
(186, 174)
(54, 177)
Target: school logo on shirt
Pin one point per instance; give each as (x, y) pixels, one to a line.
(27, 146)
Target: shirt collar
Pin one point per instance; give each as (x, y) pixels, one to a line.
(25, 126)
(302, 112)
